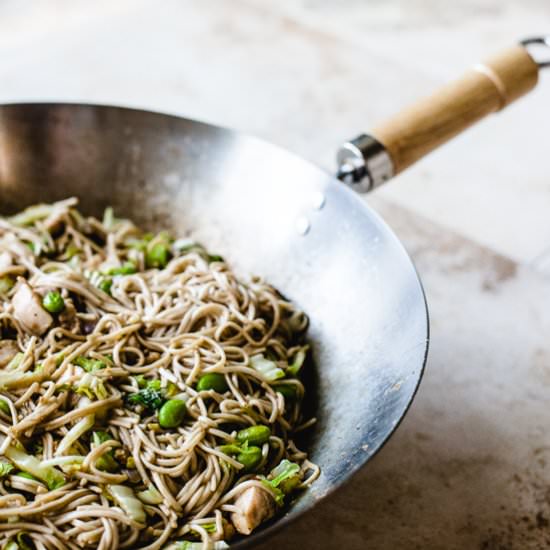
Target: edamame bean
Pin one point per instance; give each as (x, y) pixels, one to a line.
(250, 458)
(255, 435)
(172, 413)
(212, 381)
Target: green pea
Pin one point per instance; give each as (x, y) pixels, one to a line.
(255, 435)
(212, 381)
(172, 413)
(289, 391)
(157, 256)
(53, 302)
(250, 458)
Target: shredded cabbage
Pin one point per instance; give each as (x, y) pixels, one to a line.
(150, 496)
(19, 379)
(92, 387)
(74, 434)
(48, 474)
(267, 368)
(125, 498)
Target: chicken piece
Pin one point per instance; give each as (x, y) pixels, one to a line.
(255, 506)
(28, 310)
(6, 261)
(8, 350)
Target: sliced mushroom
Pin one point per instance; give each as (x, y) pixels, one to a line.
(28, 310)
(255, 506)
(8, 350)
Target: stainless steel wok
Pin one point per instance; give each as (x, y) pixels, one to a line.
(272, 213)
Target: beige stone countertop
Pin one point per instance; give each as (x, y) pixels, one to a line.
(469, 466)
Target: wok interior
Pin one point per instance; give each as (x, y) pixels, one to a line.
(267, 212)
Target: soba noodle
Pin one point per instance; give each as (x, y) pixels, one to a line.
(148, 396)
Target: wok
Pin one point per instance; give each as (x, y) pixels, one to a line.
(272, 213)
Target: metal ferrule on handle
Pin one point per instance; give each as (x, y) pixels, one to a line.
(367, 161)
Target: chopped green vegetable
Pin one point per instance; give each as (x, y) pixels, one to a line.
(26, 475)
(5, 468)
(250, 458)
(92, 387)
(172, 413)
(53, 302)
(286, 476)
(106, 462)
(254, 435)
(267, 368)
(4, 407)
(18, 379)
(150, 496)
(157, 256)
(212, 381)
(125, 498)
(148, 398)
(289, 391)
(299, 359)
(52, 477)
(141, 381)
(215, 258)
(89, 365)
(6, 284)
(11, 545)
(154, 385)
(127, 268)
(105, 285)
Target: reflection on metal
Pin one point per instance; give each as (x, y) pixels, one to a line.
(364, 163)
(540, 41)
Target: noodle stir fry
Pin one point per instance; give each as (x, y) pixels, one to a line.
(148, 396)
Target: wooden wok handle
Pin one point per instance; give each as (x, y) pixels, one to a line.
(485, 89)
(369, 160)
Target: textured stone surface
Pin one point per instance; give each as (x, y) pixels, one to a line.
(468, 467)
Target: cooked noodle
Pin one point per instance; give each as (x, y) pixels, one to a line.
(136, 321)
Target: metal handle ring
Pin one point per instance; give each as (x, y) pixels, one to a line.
(541, 41)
